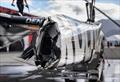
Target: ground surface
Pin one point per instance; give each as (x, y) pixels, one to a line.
(14, 69)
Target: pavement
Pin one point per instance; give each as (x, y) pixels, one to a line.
(14, 69)
(112, 53)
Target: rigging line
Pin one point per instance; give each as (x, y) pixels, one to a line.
(38, 10)
(108, 17)
(21, 61)
(32, 7)
(105, 58)
(16, 35)
(11, 35)
(105, 14)
(34, 72)
(9, 43)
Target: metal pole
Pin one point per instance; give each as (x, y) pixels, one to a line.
(105, 14)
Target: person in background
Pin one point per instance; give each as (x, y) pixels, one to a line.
(20, 5)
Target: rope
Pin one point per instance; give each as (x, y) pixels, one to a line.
(104, 14)
(108, 17)
(13, 34)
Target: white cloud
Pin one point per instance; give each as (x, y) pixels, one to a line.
(63, 7)
(77, 9)
(111, 10)
(5, 0)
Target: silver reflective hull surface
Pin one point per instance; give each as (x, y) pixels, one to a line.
(79, 40)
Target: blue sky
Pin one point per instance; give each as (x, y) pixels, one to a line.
(35, 4)
(44, 8)
(109, 1)
(42, 4)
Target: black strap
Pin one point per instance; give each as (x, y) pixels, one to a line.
(92, 11)
(73, 46)
(88, 16)
(66, 56)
